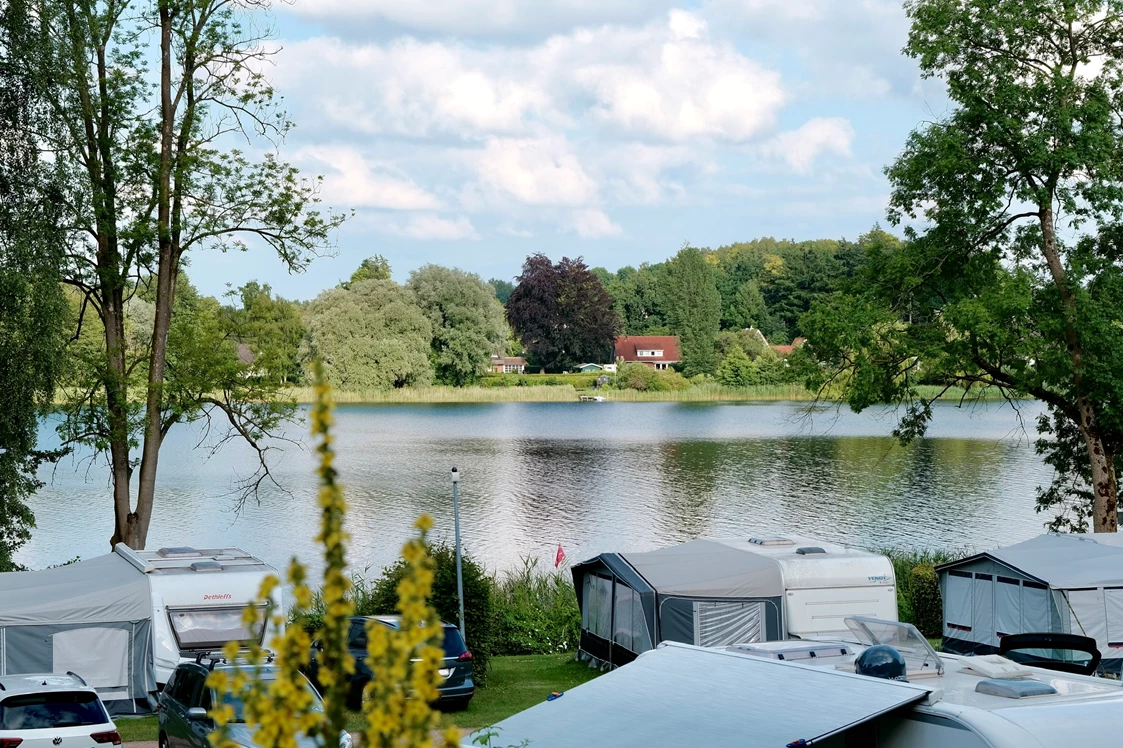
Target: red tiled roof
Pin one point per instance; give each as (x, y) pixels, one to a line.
(508, 361)
(627, 346)
(786, 350)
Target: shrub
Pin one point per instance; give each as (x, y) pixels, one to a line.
(535, 613)
(924, 599)
(904, 561)
(646, 379)
(737, 370)
(381, 596)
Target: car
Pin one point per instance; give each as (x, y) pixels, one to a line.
(457, 688)
(183, 706)
(50, 710)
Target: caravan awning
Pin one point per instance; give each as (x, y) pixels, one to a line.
(706, 568)
(680, 695)
(1063, 561)
(105, 588)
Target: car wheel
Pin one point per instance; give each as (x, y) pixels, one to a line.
(457, 705)
(163, 740)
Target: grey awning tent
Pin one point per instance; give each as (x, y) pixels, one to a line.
(93, 618)
(703, 592)
(680, 695)
(1052, 583)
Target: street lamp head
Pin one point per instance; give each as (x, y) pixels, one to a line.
(455, 476)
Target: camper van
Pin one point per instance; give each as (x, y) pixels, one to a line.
(801, 693)
(719, 591)
(123, 621)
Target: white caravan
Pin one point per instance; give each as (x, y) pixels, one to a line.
(801, 693)
(198, 599)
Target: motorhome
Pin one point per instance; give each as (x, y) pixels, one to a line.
(801, 692)
(123, 621)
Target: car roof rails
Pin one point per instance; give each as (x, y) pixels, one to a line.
(215, 658)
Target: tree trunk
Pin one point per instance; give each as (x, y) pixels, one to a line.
(165, 292)
(1104, 483)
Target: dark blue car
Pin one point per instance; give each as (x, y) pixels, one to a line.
(457, 688)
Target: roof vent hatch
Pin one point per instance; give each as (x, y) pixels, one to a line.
(809, 550)
(180, 551)
(206, 566)
(771, 541)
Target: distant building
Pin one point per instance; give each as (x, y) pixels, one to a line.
(783, 351)
(508, 364)
(656, 351)
(589, 368)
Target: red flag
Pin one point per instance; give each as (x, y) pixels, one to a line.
(560, 557)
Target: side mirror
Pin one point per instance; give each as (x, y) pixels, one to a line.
(196, 714)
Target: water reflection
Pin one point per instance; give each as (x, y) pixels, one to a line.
(591, 477)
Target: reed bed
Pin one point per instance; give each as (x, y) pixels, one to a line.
(533, 394)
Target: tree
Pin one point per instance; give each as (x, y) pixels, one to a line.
(1032, 152)
(370, 336)
(736, 369)
(145, 186)
(468, 322)
(502, 289)
(637, 301)
(271, 327)
(372, 268)
(561, 313)
(33, 310)
(748, 308)
(693, 305)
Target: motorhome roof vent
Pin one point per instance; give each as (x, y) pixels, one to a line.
(1014, 689)
(789, 650)
(771, 541)
(180, 551)
(206, 566)
(809, 550)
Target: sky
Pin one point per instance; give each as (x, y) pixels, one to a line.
(471, 133)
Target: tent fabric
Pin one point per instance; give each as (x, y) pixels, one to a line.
(1113, 600)
(105, 588)
(730, 700)
(708, 569)
(1067, 561)
(982, 624)
(958, 603)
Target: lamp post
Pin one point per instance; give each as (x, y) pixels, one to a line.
(459, 568)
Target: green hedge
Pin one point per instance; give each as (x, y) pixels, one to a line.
(924, 599)
(578, 381)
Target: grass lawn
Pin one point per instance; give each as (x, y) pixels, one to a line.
(514, 684)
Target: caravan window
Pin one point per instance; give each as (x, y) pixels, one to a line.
(721, 624)
(212, 628)
(623, 618)
(958, 604)
(1113, 598)
(596, 613)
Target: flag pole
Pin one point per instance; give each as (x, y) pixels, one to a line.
(459, 568)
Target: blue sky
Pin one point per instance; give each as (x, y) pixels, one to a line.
(474, 132)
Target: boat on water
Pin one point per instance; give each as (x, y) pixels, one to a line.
(592, 398)
(801, 692)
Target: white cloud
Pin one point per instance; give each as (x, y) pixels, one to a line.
(353, 181)
(542, 171)
(592, 223)
(820, 135)
(431, 226)
(480, 17)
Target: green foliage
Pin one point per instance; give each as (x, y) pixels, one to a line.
(468, 323)
(372, 268)
(535, 612)
(637, 300)
(370, 336)
(577, 381)
(904, 560)
(382, 597)
(736, 369)
(562, 314)
(693, 304)
(502, 289)
(646, 379)
(927, 611)
(33, 310)
(271, 327)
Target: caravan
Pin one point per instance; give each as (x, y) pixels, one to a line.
(123, 621)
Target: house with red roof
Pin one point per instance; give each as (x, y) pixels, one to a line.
(656, 351)
(783, 351)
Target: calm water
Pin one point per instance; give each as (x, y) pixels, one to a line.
(591, 476)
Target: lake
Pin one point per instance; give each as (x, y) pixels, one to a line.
(590, 476)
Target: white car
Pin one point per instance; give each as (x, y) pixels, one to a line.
(53, 711)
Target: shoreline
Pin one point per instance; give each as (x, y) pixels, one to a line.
(564, 393)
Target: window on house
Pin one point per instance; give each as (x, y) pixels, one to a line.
(660, 366)
(649, 353)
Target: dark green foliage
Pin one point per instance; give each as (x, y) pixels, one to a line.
(502, 289)
(382, 597)
(736, 369)
(577, 381)
(637, 301)
(271, 327)
(535, 613)
(693, 305)
(927, 609)
(33, 311)
(904, 561)
(562, 314)
(372, 268)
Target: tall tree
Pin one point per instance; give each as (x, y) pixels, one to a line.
(369, 336)
(693, 305)
(1031, 152)
(372, 268)
(148, 184)
(270, 327)
(562, 313)
(637, 300)
(503, 289)
(32, 308)
(468, 322)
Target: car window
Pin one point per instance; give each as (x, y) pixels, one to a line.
(187, 684)
(454, 643)
(235, 702)
(39, 711)
(357, 636)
